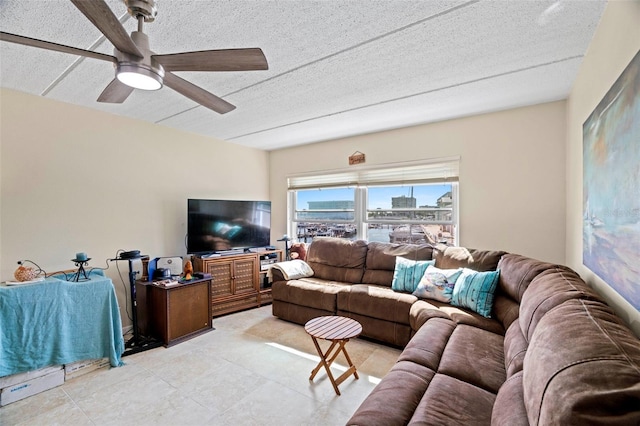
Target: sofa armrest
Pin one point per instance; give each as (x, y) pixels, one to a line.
(276, 275)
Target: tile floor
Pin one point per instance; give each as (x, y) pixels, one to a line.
(253, 369)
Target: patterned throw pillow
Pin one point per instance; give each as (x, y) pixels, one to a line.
(475, 290)
(434, 285)
(408, 273)
(451, 274)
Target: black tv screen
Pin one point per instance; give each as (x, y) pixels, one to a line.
(219, 225)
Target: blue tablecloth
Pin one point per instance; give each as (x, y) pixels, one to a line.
(59, 322)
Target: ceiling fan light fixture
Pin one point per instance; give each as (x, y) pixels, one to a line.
(138, 77)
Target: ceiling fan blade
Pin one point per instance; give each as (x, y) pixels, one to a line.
(197, 94)
(99, 13)
(27, 41)
(115, 92)
(215, 60)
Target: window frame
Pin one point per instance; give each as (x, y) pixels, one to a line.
(361, 219)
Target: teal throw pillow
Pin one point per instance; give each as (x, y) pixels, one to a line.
(434, 285)
(475, 290)
(408, 273)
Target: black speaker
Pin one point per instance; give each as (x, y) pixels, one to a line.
(130, 254)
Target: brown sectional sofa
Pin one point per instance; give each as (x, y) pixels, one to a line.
(552, 353)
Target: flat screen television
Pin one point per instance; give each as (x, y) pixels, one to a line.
(220, 225)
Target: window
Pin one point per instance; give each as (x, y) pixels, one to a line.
(416, 203)
(324, 212)
(412, 214)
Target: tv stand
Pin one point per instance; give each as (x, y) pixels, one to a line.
(238, 280)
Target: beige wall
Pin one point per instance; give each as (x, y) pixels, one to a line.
(512, 173)
(74, 179)
(616, 41)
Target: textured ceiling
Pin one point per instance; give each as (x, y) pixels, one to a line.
(336, 68)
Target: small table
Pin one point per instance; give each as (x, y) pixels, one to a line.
(59, 322)
(338, 330)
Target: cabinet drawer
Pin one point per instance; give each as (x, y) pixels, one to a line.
(227, 306)
(265, 297)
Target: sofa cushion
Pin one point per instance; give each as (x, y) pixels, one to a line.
(449, 401)
(381, 260)
(509, 408)
(515, 348)
(405, 384)
(423, 310)
(505, 309)
(475, 290)
(475, 356)
(548, 290)
(376, 302)
(517, 272)
(310, 292)
(408, 273)
(461, 257)
(428, 344)
(392, 333)
(337, 259)
(582, 367)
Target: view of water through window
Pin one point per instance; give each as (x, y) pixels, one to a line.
(416, 213)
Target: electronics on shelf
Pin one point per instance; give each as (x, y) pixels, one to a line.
(173, 264)
(266, 263)
(201, 275)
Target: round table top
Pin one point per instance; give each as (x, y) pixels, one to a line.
(333, 328)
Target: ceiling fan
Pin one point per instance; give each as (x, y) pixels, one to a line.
(137, 67)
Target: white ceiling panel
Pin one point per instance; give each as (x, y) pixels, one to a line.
(336, 67)
(463, 100)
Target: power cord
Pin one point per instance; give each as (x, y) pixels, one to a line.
(94, 268)
(124, 284)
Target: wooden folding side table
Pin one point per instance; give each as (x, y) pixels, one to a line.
(338, 330)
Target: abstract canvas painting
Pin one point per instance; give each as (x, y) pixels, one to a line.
(611, 186)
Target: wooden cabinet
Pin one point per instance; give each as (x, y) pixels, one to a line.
(238, 281)
(174, 314)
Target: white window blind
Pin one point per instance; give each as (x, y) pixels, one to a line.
(424, 172)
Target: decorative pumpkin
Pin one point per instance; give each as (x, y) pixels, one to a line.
(188, 270)
(25, 273)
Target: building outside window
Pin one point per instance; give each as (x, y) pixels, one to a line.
(324, 212)
(375, 205)
(421, 214)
